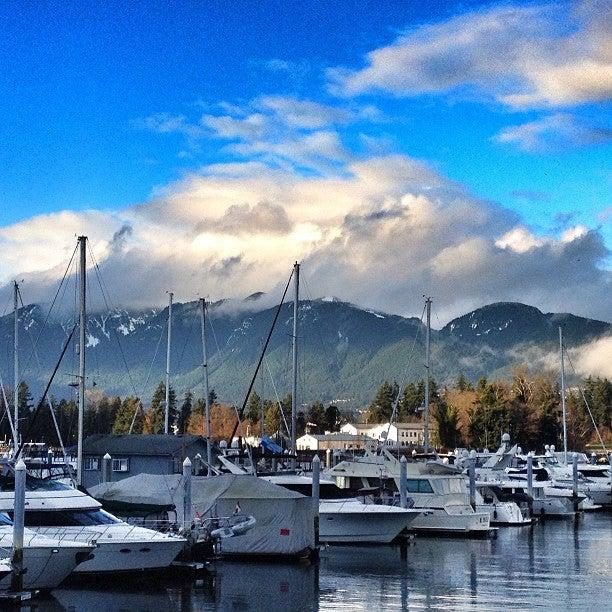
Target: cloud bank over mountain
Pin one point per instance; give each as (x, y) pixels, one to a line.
(382, 232)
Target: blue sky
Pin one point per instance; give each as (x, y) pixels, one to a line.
(106, 105)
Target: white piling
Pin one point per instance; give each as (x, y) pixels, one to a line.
(472, 477)
(18, 527)
(316, 473)
(328, 458)
(187, 508)
(530, 481)
(575, 474)
(107, 472)
(403, 488)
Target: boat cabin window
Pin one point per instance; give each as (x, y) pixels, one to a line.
(419, 485)
(121, 465)
(67, 518)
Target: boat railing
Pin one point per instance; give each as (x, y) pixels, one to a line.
(94, 533)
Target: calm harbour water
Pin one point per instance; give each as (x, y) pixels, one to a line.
(555, 565)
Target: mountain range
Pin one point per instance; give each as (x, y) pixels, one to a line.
(345, 351)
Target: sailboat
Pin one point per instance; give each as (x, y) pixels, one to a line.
(58, 511)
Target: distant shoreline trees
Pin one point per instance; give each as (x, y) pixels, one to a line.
(528, 407)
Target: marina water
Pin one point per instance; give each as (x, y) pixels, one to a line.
(552, 565)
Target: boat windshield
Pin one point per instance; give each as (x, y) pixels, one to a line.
(5, 520)
(7, 483)
(67, 518)
(447, 486)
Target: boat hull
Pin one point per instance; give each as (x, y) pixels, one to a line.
(440, 521)
(47, 566)
(348, 528)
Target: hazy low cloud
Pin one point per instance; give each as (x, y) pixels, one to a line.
(594, 358)
(522, 56)
(381, 232)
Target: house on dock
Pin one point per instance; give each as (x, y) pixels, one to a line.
(133, 454)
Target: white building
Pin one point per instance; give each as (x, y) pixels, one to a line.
(334, 441)
(402, 434)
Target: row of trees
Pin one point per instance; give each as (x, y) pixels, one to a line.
(268, 415)
(104, 414)
(528, 408)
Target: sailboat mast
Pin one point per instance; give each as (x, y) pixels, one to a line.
(563, 394)
(206, 386)
(82, 326)
(294, 404)
(168, 347)
(427, 369)
(16, 364)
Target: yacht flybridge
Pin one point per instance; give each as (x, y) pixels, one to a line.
(58, 512)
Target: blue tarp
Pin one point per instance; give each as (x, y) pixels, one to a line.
(269, 444)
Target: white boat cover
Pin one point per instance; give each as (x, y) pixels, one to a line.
(285, 519)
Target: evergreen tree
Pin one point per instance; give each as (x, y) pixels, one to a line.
(447, 419)
(129, 410)
(24, 403)
(332, 418)
(184, 413)
(272, 418)
(316, 416)
(463, 383)
(381, 408)
(253, 409)
(301, 423)
(155, 421)
(412, 399)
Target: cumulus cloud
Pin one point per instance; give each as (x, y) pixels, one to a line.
(522, 56)
(552, 133)
(382, 232)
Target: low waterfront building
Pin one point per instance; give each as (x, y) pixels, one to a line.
(402, 434)
(133, 454)
(333, 441)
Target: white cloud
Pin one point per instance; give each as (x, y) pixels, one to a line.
(281, 131)
(522, 56)
(552, 133)
(594, 358)
(381, 232)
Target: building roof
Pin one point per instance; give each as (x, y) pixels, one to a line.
(139, 444)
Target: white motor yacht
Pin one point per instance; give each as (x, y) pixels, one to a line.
(48, 562)
(60, 512)
(434, 488)
(350, 520)
(596, 484)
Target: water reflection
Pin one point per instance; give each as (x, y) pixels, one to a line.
(553, 565)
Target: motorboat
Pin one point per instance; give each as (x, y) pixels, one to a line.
(349, 519)
(48, 562)
(502, 510)
(436, 489)
(61, 513)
